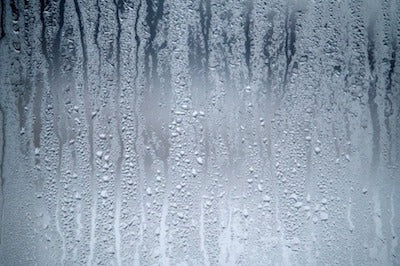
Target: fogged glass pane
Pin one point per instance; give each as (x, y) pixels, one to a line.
(200, 132)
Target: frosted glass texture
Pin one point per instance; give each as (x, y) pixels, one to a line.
(200, 132)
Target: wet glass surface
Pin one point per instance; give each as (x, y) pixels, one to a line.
(203, 132)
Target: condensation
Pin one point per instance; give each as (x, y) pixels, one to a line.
(200, 132)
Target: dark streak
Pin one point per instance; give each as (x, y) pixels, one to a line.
(225, 59)
(388, 102)
(247, 37)
(391, 69)
(373, 106)
(2, 16)
(97, 27)
(267, 44)
(83, 44)
(290, 39)
(375, 124)
(55, 67)
(137, 39)
(118, 5)
(371, 47)
(270, 60)
(14, 10)
(152, 20)
(43, 4)
(205, 22)
(195, 54)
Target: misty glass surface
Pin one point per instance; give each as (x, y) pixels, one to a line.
(200, 132)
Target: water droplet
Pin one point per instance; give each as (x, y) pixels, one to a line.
(324, 216)
(199, 160)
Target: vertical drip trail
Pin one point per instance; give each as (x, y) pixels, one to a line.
(43, 31)
(163, 222)
(90, 115)
(119, 6)
(59, 197)
(388, 97)
(2, 154)
(152, 19)
(205, 20)
(136, 103)
(372, 95)
(83, 45)
(290, 39)
(202, 235)
(93, 219)
(373, 107)
(89, 121)
(56, 52)
(55, 76)
(247, 34)
(395, 242)
(137, 39)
